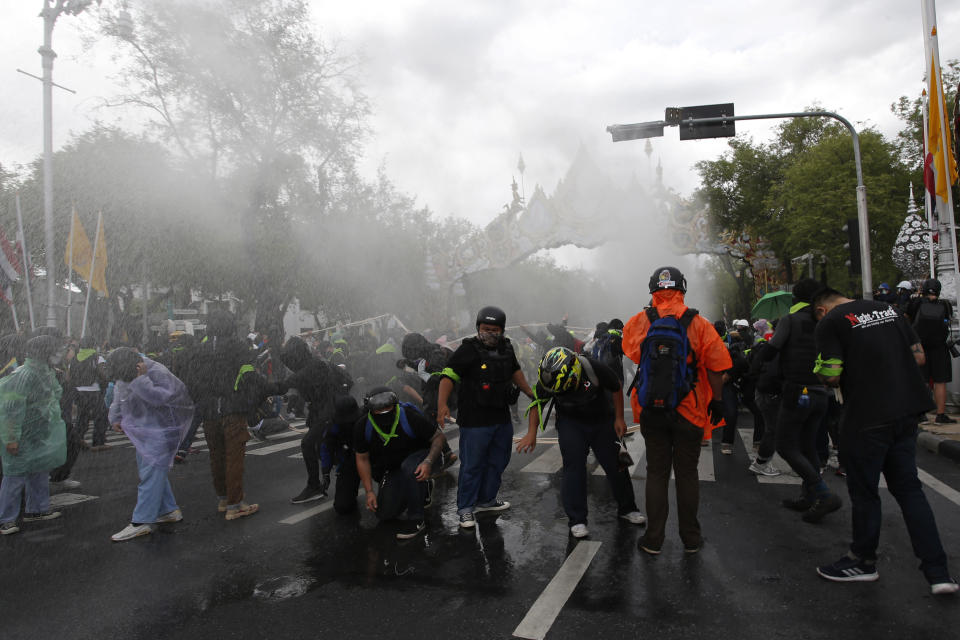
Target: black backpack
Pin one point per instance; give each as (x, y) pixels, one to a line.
(931, 322)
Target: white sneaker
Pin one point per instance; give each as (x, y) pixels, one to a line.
(579, 531)
(944, 588)
(174, 516)
(131, 531)
(765, 469)
(634, 517)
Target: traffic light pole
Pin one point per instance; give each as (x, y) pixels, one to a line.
(655, 129)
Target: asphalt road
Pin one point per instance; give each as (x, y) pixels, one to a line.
(302, 571)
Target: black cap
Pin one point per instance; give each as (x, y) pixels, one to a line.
(667, 278)
(930, 285)
(492, 315)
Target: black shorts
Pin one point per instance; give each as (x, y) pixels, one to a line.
(938, 367)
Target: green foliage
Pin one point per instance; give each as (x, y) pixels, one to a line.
(909, 140)
(798, 191)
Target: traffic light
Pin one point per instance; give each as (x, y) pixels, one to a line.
(852, 245)
(723, 129)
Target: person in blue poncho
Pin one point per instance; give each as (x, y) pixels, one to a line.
(32, 434)
(153, 408)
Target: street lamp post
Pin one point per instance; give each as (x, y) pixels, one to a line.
(51, 11)
(654, 129)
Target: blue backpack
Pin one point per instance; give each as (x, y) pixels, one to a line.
(664, 375)
(404, 422)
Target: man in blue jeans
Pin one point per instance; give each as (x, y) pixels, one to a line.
(489, 375)
(868, 350)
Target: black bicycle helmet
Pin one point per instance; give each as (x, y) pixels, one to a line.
(667, 278)
(492, 315)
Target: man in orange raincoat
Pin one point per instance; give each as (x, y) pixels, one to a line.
(673, 436)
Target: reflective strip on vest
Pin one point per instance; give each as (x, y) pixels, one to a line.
(245, 369)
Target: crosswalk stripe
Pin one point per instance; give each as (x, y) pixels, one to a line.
(550, 461)
(60, 500)
(946, 491)
(280, 446)
(705, 466)
(309, 513)
(545, 610)
(637, 449)
(787, 475)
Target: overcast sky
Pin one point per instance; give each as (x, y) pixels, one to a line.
(461, 89)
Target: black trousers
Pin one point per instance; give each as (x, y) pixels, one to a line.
(90, 406)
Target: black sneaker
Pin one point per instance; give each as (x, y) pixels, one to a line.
(411, 529)
(943, 418)
(497, 505)
(800, 504)
(848, 569)
(821, 507)
(309, 495)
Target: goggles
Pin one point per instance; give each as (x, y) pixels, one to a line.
(382, 400)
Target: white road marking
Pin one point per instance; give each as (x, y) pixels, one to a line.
(59, 500)
(787, 475)
(947, 492)
(545, 610)
(309, 513)
(280, 446)
(550, 461)
(637, 448)
(705, 464)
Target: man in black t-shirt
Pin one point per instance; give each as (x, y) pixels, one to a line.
(397, 447)
(489, 375)
(930, 317)
(868, 350)
(588, 397)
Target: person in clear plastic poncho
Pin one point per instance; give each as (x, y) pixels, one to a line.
(32, 434)
(153, 408)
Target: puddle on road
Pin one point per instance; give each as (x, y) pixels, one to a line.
(282, 588)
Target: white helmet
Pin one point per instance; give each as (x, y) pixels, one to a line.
(905, 284)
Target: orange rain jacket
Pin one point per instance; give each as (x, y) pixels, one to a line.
(711, 354)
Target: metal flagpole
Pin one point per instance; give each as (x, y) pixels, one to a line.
(13, 308)
(73, 217)
(27, 267)
(93, 264)
(933, 50)
(927, 204)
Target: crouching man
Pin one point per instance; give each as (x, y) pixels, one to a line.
(396, 446)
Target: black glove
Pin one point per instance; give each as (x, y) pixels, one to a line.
(715, 410)
(325, 482)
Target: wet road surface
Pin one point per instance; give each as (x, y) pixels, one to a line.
(302, 571)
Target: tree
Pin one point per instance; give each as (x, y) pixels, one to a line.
(910, 139)
(245, 89)
(797, 191)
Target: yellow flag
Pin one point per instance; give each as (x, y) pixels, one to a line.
(82, 251)
(943, 160)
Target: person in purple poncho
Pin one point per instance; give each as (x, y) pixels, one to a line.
(152, 406)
